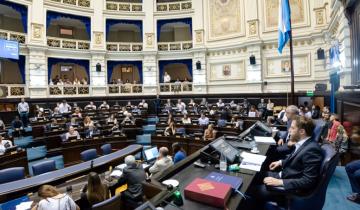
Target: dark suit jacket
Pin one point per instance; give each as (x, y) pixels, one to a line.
(301, 170)
(133, 176)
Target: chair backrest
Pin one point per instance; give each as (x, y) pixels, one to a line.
(319, 127)
(106, 149)
(316, 199)
(109, 204)
(43, 167)
(12, 174)
(89, 154)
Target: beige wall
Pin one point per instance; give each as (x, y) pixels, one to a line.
(77, 72)
(177, 71)
(11, 24)
(124, 36)
(10, 73)
(80, 34)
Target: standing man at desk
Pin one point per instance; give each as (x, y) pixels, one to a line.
(23, 109)
(299, 171)
(4, 144)
(163, 162)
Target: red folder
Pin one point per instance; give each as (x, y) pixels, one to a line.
(208, 192)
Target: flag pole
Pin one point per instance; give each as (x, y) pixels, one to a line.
(292, 95)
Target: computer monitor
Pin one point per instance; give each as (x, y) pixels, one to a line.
(151, 154)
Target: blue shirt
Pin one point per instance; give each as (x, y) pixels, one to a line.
(179, 156)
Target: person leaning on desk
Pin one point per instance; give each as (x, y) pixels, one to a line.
(72, 133)
(299, 171)
(4, 144)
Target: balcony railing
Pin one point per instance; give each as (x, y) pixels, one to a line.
(12, 90)
(68, 90)
(68, 43)
(126, 88)
(13, 36)
(175, 46)
(124, 46)
(123, 6)
(80, 3)
(176, 87)
(174, 6)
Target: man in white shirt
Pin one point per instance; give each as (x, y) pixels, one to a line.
(163, 162)
(4, 144)
(23, 109)
(181, 106)
(143, 104)
(64, 107)
(220, 103)
(104, 105)
(203, 120)
(90, 106)
(167, 78)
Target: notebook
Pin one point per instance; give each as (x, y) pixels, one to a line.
(234, 181)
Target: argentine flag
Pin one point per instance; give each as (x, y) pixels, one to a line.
(284, 24)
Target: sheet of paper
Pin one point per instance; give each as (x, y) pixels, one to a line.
(263, 139)
(251, 167)
(116, 173)
(251, 161)
(24, 205)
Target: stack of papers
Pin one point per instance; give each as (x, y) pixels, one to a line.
(251, 162)
(24, 205)
(264, 139)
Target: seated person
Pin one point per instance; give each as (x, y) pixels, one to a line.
(56, 112)
(232, 104)
(111, 120)
(88, 122)
(181, 106)
(136, 110)
(133, 175)
(203, 120)
(239, 124)
(170, 130)
(77, 113)
(192, 103)
(128, 120)
(4, 144)
(179, 153)
(129, 105)
(72, 123)
(84, 81)
(353, 172)
(253, 112)
(204, 102)
(163, 162)
(17, 124)
(300, 171)
(124, 111)
(104, 105)
(168, 105)
(210, 133)
(64, 107)
(71, 133)
(52, 199)
(40, 116)
(2, 125)
(143, 104)
(92, 130)
(53, 124)
(90, 106)
(220, 103)
(93, 192)
(186, 120)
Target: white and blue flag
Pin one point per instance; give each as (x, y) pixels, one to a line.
(284, 24)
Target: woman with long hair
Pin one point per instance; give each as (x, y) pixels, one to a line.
(170, 130)
(52, 199)
(94, 192)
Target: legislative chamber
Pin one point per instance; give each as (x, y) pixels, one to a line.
(179, 104)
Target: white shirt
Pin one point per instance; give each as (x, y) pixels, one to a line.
(64, 108)
(68, 135)
(300, 143)
(60, 201)
(23, 107)
(167, 78)
(220, 104)
(2, 146)
(204, 121)
(89, 106)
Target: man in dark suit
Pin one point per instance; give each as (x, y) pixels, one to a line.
(133, 175)
(299, 171)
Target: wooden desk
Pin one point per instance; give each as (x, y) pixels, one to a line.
(16, 159)
(101, 164)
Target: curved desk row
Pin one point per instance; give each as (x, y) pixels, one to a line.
(22, 187)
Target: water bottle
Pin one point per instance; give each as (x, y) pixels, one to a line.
(223, 163)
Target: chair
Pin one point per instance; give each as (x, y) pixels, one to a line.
(109, 204)
(314, 200)
(89, 154)
(106, 149)
(12, 174)
(43, 167)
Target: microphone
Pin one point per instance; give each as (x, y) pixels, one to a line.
(91, 164)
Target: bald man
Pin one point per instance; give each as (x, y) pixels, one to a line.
(163, 162)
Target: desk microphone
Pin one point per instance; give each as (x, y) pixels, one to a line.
(91, 165)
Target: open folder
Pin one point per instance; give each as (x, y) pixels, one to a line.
(251, 161)
(265, 140)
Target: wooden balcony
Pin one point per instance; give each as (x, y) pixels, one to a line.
(124, 46)
(176, 87)
(123, 6)
(68, 43)
(12, 90)
(68, 90)
(175, 46)
(13, 36)
(124, 89)
(174, 6)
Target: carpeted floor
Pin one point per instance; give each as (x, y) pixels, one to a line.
(339, 187)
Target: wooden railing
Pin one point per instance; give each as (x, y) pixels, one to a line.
(66, 90)
(124, 46)
(13, 36)
(125, 88)
(80, 3)
(68, 43)
(123, 6)
(12, 90)
(176, 87)
(175, 46)
(174, 6)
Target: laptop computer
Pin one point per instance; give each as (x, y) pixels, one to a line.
(151, 155)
